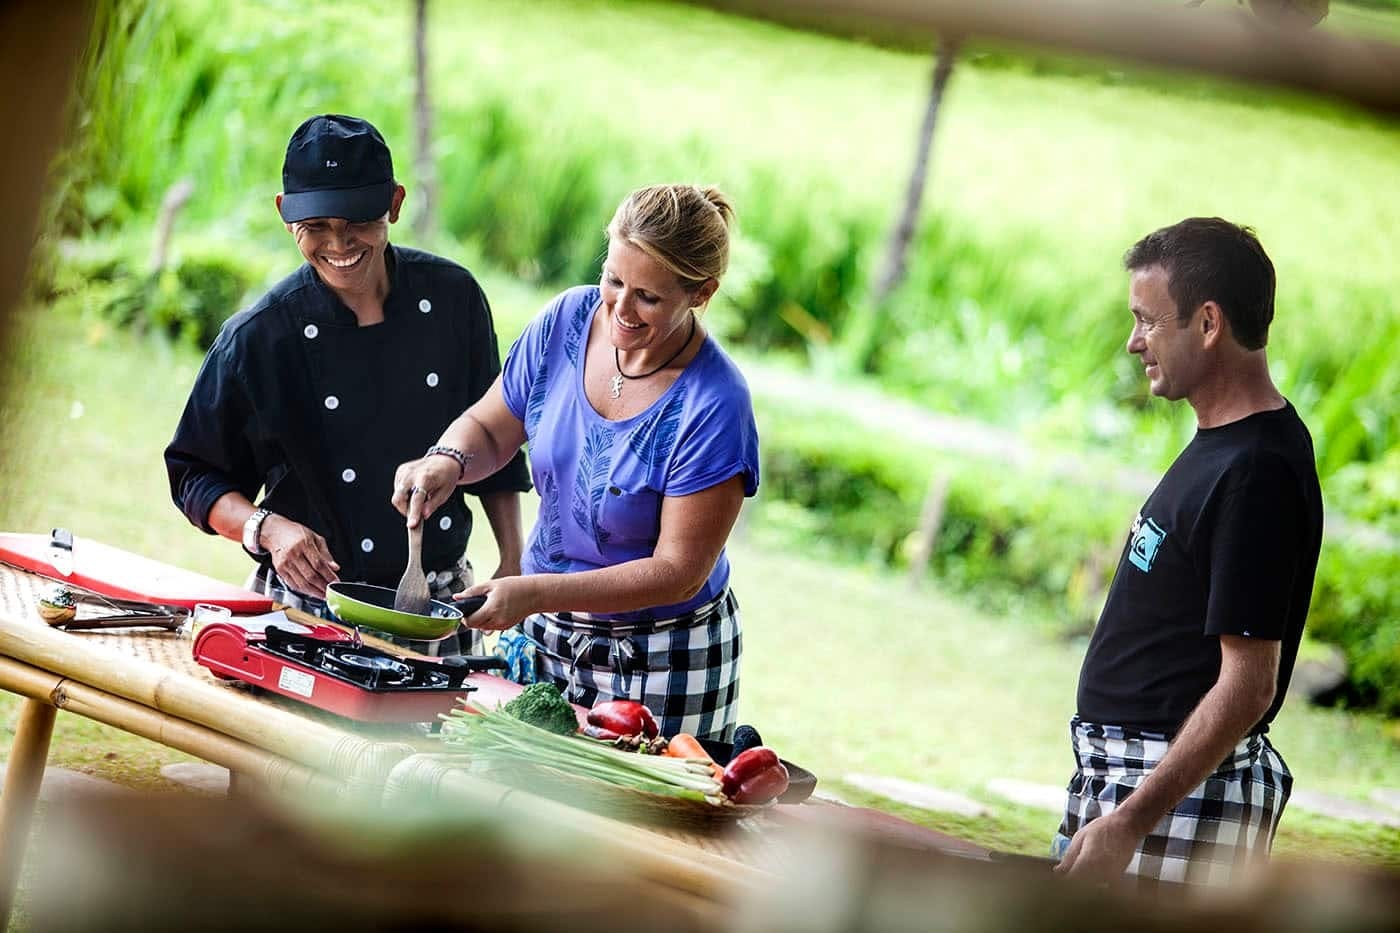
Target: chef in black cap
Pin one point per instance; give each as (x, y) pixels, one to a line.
(346, 368)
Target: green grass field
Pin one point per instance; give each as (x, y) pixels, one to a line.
(846, 669)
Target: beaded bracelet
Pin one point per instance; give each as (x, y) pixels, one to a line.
(461, 458)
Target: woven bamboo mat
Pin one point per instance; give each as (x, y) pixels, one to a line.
(19, 597)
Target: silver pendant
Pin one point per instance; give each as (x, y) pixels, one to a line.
(617, 386)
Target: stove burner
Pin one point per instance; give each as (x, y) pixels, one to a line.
(364, 666)
(359, 659)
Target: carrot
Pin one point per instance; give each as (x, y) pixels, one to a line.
(684, 745)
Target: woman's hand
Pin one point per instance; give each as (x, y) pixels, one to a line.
(300, 556)
(421, 485)
(508, 600)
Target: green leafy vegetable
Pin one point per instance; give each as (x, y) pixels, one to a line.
(544, 706)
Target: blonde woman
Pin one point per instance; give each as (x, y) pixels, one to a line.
(643, 448)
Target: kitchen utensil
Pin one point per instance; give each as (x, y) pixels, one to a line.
(61, 551)
(119, 574)
(413, 595)
(373, 607)
(121, 613)
(129, 620)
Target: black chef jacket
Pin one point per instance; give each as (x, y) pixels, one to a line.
(296, 399)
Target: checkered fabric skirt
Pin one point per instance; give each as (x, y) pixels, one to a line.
(441, 585)
(1220, 829)
(686, 669)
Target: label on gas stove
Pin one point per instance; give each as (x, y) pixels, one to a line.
(295, 681)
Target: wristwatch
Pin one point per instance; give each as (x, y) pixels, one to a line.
(251, 529)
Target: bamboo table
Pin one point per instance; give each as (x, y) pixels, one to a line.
(146, 683)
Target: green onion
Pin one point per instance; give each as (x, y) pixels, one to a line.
(490, 734)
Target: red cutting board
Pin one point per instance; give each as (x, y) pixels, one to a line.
(123, 575)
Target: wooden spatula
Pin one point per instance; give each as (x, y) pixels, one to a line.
(413, 594)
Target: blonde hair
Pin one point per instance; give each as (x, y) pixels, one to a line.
(683, 227)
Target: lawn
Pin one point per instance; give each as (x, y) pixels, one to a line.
(846, 669)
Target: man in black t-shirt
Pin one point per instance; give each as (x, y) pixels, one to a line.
(1191, 658)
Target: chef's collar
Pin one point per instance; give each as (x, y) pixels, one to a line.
(335, 311)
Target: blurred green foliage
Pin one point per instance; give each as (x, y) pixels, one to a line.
(1013, 307)
(1355, 606)
(1009, 541)
(1027, 547)
(188, 299)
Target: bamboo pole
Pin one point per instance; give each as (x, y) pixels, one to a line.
(22, 779)
(1230, 43)
(282, 733)
(269, 770)
(660, 859)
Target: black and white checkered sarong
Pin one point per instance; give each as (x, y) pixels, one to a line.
(685, 670)
(1220, 829)
(441, 585)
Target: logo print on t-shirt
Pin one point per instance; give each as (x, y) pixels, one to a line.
(1147, 540)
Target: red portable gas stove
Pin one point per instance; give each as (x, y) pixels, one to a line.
(317, 664)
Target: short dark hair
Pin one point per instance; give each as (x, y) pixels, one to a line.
(1210, 259)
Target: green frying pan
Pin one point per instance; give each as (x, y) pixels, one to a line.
(373, 607)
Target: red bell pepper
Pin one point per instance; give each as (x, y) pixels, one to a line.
(755, 776)
(624, 717)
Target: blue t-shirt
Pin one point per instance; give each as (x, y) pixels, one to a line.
(601, 482)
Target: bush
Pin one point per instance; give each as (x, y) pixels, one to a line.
(1019, 546)
(212, 288)
(188, 300)
(1355, 605)
(1012, 544)
(1371, 491)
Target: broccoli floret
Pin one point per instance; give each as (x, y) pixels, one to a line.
(544, 706)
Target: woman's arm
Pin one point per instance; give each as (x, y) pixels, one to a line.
(694, 530)
(487, 434)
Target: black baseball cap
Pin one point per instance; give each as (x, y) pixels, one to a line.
(336, 166)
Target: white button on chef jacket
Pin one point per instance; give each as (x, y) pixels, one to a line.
(348, 475)
(366, 545)
(425, 305)
(432, 380)
(445, 522)
(332, 402)
(310, 330)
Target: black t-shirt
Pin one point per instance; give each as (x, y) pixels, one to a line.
(296, 399)
(1227, 544)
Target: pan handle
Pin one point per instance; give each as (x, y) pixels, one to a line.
(477, 662)
(468, 604)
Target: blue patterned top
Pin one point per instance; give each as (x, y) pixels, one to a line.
(601, 482)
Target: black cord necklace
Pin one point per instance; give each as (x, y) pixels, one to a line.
(617, 362)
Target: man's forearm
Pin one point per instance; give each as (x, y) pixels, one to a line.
(1223, 717)
(503, 513)
(228, 514)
